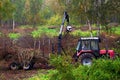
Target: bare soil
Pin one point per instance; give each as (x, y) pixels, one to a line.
(7, 74)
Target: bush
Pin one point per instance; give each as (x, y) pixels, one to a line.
(63, 66)
(79, 33)
(14, 35)
(54, 20)
(42, 31)
(102, 69)
(1, 34)
(117, 30)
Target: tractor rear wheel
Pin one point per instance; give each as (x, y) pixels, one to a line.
(86, 59)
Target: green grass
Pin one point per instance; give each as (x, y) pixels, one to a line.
(117, 30)
(43, 75)
(1, 34)
(14, 35)
(26, 26)
(44, 31)
(79, 33)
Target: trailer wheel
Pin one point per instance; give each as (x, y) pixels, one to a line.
(14, 66)
(26, 67)
(29, 66)
(86, 59)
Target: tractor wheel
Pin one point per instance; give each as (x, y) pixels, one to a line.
(28, 67)
(14, 66)
(86, 59)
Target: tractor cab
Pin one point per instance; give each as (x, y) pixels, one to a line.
(88, 49)
(89, 45)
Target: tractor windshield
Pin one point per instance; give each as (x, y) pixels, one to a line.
(85, 45)
(88, 44)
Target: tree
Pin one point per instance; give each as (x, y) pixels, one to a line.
(19, 13)
(35, 7)
(27, 12)
(6, 10)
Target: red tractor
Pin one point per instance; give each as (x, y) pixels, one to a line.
(88, 49)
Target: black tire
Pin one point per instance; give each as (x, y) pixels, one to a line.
(29, 66)
(86, 59)
(14, 66)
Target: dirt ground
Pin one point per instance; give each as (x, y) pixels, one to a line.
(16, 75)
(7, 74)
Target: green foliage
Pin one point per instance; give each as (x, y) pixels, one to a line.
(54, 20)
(1, 34)
(46, 11)
(116, 48)
(6, 9)
(63, 66)
(117, 30)
(25, 26)
(43, 76)
(102, 69)
(44, 31)
(36, 34)
(14, 35)
(79, 33)
(18, 12)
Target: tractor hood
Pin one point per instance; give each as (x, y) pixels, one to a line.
(110, 52)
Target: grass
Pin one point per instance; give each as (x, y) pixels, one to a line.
(43, 75)
(117, 30)
(1, 34)
(14, 35)
(84, 34)
(42, 31)
(26, 26)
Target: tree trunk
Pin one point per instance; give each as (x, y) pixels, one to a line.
(13, 24)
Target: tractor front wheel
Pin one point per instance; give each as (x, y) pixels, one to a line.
(86, 59)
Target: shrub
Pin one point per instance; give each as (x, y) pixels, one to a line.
(63, 66)
(54, 20)
(117, 30)
(1, 34)
(13, 35)
(42, 31)
(79, 33)
(102, 69)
